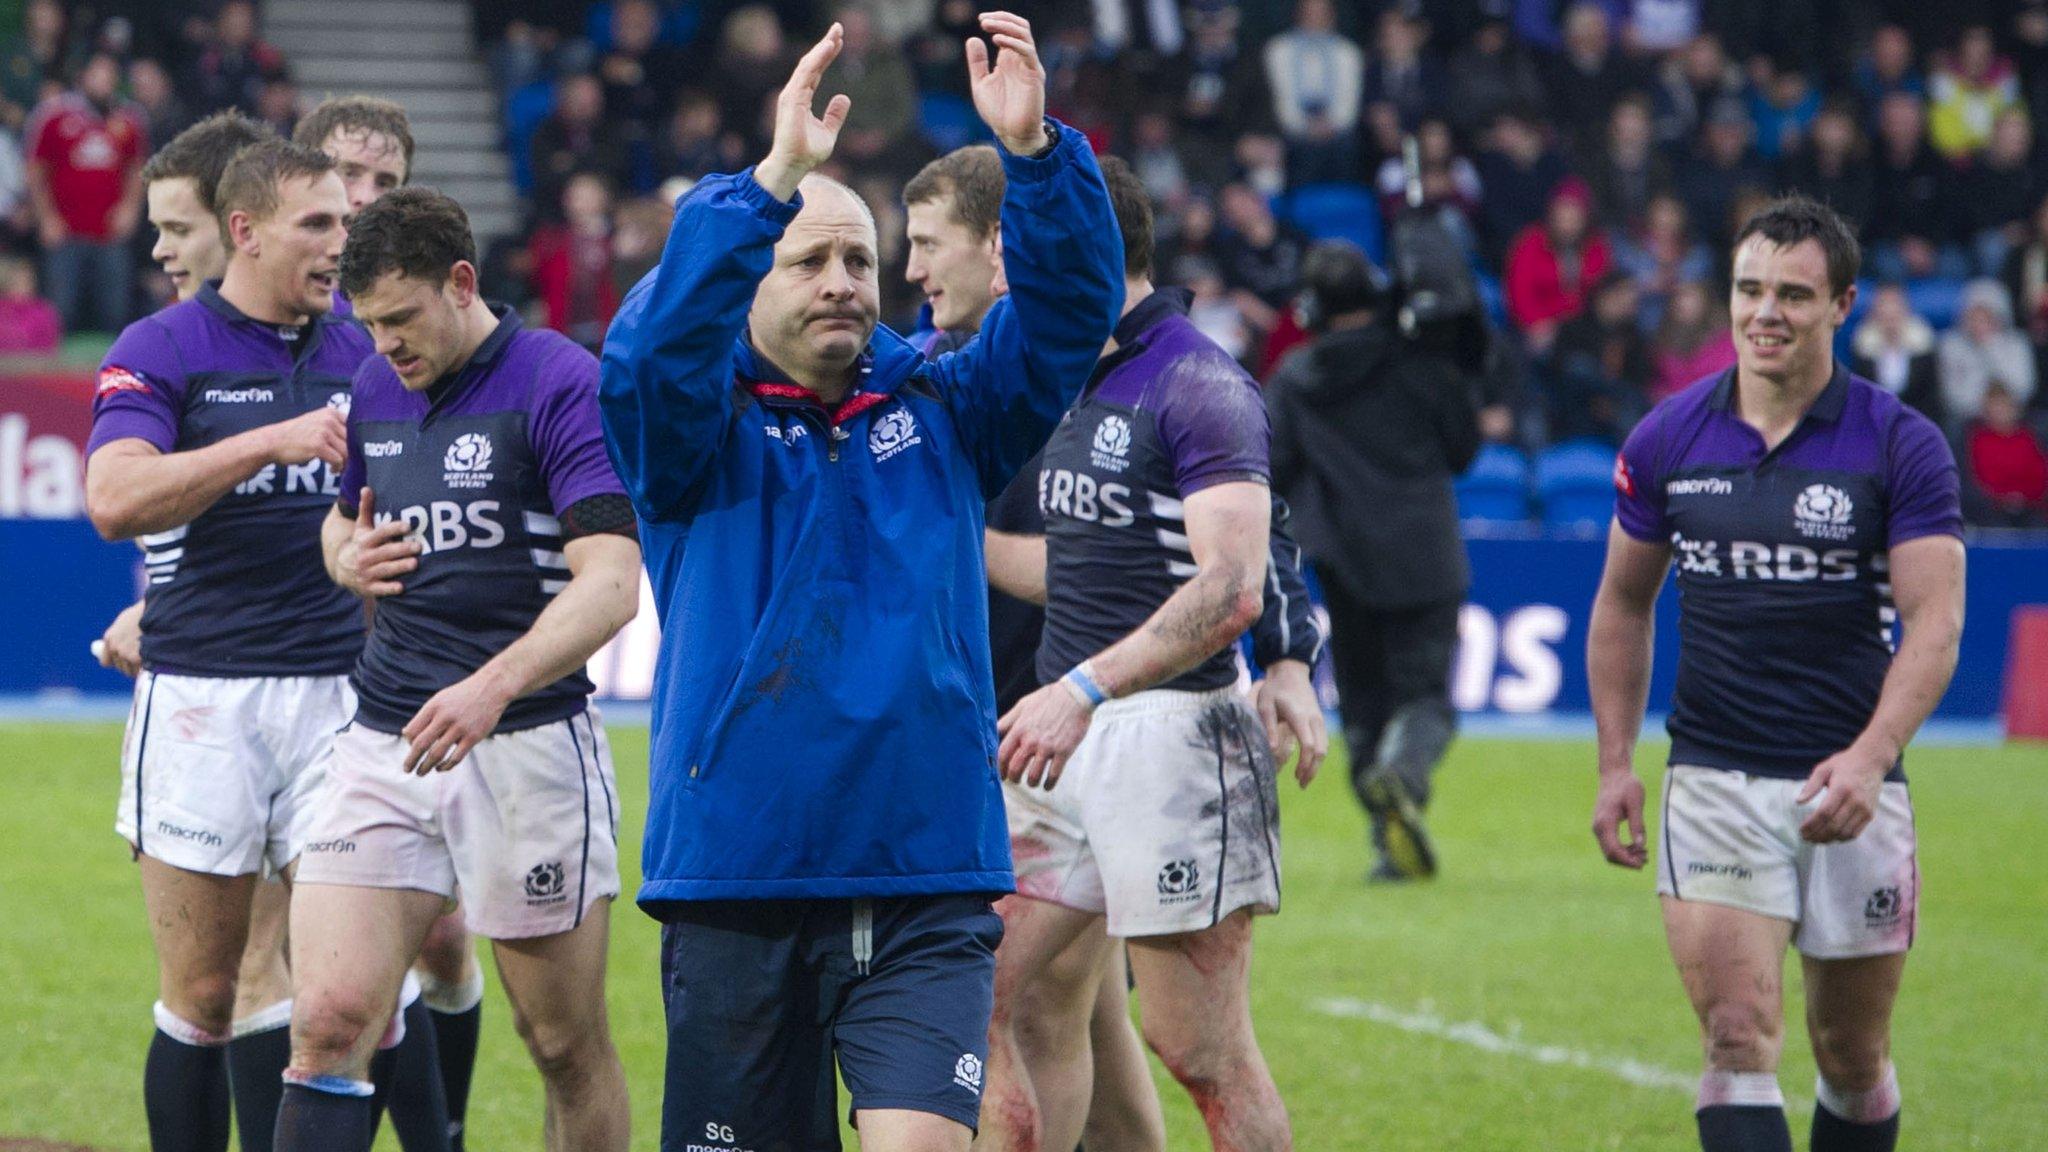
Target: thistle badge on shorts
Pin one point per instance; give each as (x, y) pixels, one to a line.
(1177, 882)
(967, 1072)
(1882, 909)
(544, 883)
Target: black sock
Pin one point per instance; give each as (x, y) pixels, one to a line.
(1831, 1133)
(412, 1088)
(455, 1037)
(256, 1064)
(310, 1120)
(185, 1093)
(1744, 1128)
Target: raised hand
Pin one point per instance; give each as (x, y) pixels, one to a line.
(1010, 96)
(803, 141)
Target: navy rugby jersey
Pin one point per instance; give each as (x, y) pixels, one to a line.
(483, 466)
(242, 589)
(1785, 610)
(1164, 416)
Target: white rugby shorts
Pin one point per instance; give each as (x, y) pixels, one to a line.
(1166, 819)
(526, 827)
(1731, 838)
(217, 771)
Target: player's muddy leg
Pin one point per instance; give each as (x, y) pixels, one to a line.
(1732, 964)
(452, 987)
(262, 1045)
(556, 986)
(1849, 1017)
(1123, 1110)
(1035, 932)
(1196, 992)
(350, 950)
(198, 923)
(1053, 1026)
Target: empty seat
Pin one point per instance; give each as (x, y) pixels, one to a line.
(1496, 487)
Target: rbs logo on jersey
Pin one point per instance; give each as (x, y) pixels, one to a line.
(1076, 494)
(443, 524)
(1746, 560)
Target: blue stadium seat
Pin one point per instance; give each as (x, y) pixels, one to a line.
(1338, 212)
(949, 122)
(1938, 301)
(1575, 484)
(1495, 488)
(523, 113)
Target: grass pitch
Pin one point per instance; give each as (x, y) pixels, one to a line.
(1524, 1001)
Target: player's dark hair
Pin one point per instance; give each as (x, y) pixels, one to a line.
(365, 115)
(973, 177)
(250, 181)
(418, 233)
(1790, 220)
(201, 153)
(1133, 207)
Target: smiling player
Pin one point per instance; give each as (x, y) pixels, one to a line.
(1809, 512)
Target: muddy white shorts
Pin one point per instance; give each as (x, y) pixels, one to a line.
(217, 771)
(1167, 818)
(526, 827)
(1732, 838)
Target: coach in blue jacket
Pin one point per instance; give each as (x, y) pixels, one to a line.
(826, 826)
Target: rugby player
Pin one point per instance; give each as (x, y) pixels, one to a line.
(1143, 804)
(178, 186)
(956, 259)
(504, 556)
(826, 832)
(1809, 512)
(217, 430)
(372, 145)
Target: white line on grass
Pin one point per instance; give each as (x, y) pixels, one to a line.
(1476, 1035)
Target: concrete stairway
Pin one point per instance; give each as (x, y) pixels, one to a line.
(420, 53)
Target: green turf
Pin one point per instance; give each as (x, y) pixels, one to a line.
(1527, 935)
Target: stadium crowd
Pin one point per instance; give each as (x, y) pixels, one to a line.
(1596, 157)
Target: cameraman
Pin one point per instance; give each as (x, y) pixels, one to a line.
(1369, 429)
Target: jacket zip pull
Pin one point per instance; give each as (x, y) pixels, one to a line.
(863, 935)
(832, 440)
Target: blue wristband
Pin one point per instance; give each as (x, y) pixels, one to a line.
(1085, 683)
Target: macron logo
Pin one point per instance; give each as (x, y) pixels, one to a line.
(1699, 488)
(378, 449)
(238, 396)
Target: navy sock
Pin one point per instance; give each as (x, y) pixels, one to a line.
(312, 1120)
(455, 1037)
(410, 1086)
(256, 1064)
(1831, 1133)
(1744, 1128)
(185, 1093)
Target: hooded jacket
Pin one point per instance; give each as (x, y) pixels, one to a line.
(823, 713)
(1368, 433)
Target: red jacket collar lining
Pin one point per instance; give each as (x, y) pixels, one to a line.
(846, 409)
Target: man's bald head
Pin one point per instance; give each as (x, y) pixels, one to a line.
(819, 303)
(818, 184)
